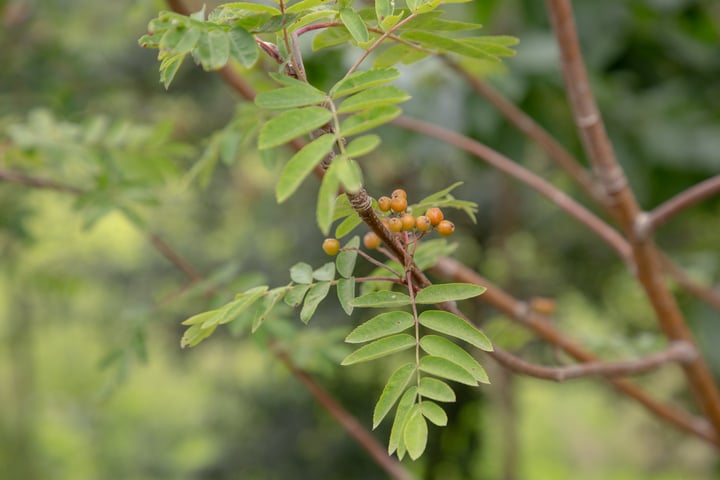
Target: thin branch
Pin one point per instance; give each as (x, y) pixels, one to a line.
(685, 199)
(507, 166)
(519, 312)
(174, 257)
(609, 172)
(30, 181)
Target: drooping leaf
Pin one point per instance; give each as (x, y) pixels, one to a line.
(200, 318)
(195, 334)
(448, 292)
(380, 326)
(349, 174)
(290, 97)
(369, 119)
(358, 81)
(213, 49)
(434, 412)
(296, 294)
(292, 124)
(404, 406)
(381, 299)
(315, 295)
(345, 260)
(440, 367)
(415, 434)
(373, 97)
(391, 393)
(301, 165)
(326, 199)
(442, 347)
(380, 348)
(301, 273)
(449, 324)
(362, 145)
(268, 303)
(243, 47)
(242, 302)
(325, 273)
(346, 292)
(169, 67)
(354, 24)
(347, 225)
(436, 389)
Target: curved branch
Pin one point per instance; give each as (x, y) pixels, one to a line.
(685, 199)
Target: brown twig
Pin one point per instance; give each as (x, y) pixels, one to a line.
(611, 176)
(35, 182)
(685, 199)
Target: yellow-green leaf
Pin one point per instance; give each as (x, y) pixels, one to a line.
(292, 124)
(440, 367)
(391, 393)
(381, 325)
(449, 324)
(448, 292)
(415, 435)
(382, 299)
(442, 347)
(380, 348)
(301, 165)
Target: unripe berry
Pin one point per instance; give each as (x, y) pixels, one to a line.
(398, 204)
(422, 223)
(371, 241)
(331, 246)
(399, 192)
(435, 215)
(395, 225)
(408, 221)
(384, 203)
(445, 228)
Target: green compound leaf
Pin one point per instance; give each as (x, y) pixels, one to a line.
(442, 347)
(180, 40)
(454, 326)
(345, 261)
(436, 390)
(434, 412)
(381, 299)
(346, 292)
(268, 303)
(325, 273)
(369, 119)
(296, 294)
(415, 434)
(362, 145)
(315, 295)
(292, 124)
(391, 393)
(380, 326)
(290, 97)
(448, 292)
(243, 47)
(196, 334)
(301, 165)
(301, 273)
(405, 404)
(373, 97)
(326, 198)
(380, 348)
(354, 24)
(213, 49)
(440, 367)
(358, 81)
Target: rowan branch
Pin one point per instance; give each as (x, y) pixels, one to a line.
(683, 200)
(35, 182)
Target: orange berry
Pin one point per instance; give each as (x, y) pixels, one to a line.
(384, 203)
(422, 223)
(371, 241)
(399, 192)
(398, 204)
(331, 246)
(395, 225)
(408, 221)
(445, 228)
(435, 215)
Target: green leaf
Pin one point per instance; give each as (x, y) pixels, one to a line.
(346, 292)
(292, 124)
(243, 47)
(436, 389)
(400, 53)
(369, 119)
(390, 21)
(232, 310)
(430, 21)
(301, 273)
(290, 97)
(326, 198)
(213, 49)
(315, 295)
(391, 393)
(184, 40)
(449, 324)
(325, 273)
(445, 44)
(383, 8)
(401, 414)
(242, 7)
(354, 24)
(440, 367)
(304, 5)
(434, 412)
(268, 303)
(448, 292)
(381, 299)
(347, 225)
(330, 37)
(380, 326)
(277, 22)
(296, 294)
(490, 46)
(349, 174)
(363, 80)
(431, 199)
(195, 334)
(200, 318)
(345, 261)
(169, 67)
(362, 145)
(415, 435)
(301, 165)
(380, 348)
(373, 97)
(442, 347)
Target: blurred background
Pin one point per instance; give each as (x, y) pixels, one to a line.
(93, 383)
